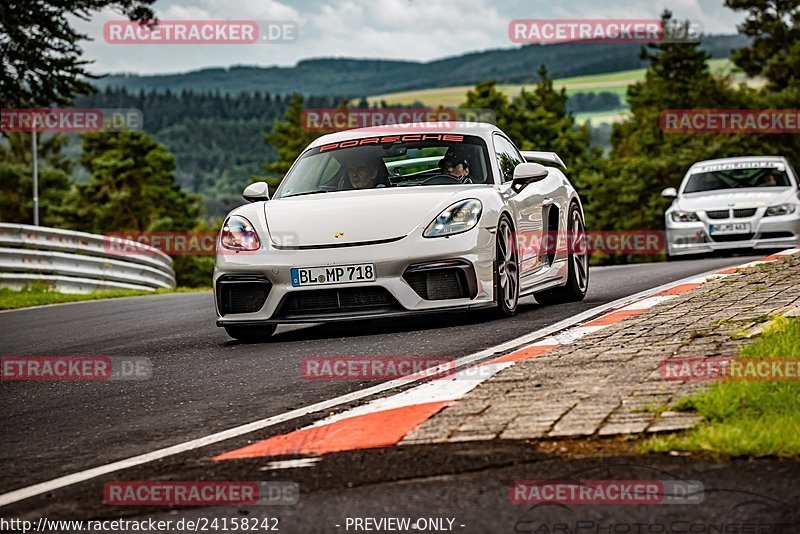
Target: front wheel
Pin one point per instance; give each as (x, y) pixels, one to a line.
(578, 261)
(506, 270)
(251, 334)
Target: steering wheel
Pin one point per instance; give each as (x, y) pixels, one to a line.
(441, 179)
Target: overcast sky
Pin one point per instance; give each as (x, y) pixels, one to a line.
(391, 29)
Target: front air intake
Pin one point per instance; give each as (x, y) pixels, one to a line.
(442, 280)
(242, 293)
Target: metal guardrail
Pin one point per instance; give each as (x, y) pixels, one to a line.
(78, 262)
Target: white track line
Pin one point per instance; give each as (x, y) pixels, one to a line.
(88, 474)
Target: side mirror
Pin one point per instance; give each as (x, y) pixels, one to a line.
(256, 191)
(669, 192)
(527, 173)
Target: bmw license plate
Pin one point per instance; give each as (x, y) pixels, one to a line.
(334, 274)
(730, 228)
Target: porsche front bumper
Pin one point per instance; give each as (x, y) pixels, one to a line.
(268, 272)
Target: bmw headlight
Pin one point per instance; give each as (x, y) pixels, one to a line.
(684, 216)
(238, 234)
(455, 219)
(783, 209)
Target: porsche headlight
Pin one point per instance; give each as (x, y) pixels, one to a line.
(455, 219)
(783, 209)
(684, 216)
(238, 234)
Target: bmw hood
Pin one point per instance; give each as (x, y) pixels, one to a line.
(746, 198)
(348, 217)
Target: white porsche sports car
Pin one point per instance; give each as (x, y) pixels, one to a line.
(375, 223)
(734, 203)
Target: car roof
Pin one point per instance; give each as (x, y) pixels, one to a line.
(739, 159)
(480, 129)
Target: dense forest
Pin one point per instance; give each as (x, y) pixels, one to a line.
(371, 77)
(217, 139)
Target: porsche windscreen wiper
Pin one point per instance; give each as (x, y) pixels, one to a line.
(307, 193)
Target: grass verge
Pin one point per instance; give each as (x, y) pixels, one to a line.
(746, 418)
(38, 296)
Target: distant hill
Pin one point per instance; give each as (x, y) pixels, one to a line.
(361, 77)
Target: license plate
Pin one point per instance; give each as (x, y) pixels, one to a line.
(730, 228)
(334, 274)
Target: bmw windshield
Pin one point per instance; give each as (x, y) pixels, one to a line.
(737, 179)
(387, 162)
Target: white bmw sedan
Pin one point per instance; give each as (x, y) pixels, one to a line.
(748, 202)
(380, 223)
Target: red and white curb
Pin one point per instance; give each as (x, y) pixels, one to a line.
(401, 413)
(386, 421)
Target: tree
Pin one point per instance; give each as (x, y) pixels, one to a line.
(16, 183)
(289, 137)
(624, 191)
(42, 62)
(131, 187)
(535, 120)
(547, 125)
(774, 53)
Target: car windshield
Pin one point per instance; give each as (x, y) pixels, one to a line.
(388, 162)
(736, 179)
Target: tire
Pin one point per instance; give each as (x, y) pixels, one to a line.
(251, 334)
(506, 269)
(578, 264)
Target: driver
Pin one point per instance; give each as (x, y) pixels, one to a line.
(366, 173)
(769, 180)
(455, 163)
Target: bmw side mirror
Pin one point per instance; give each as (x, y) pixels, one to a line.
(669, 192)
(527, 173)
(256, 191)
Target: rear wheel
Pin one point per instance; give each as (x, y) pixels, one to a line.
(506, 270)
(251, 334)
(578, 262)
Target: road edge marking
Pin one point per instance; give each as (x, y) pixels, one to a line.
(33, 490)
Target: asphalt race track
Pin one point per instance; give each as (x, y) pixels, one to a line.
(203, 382)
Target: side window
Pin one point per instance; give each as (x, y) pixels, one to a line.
(507, 157)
